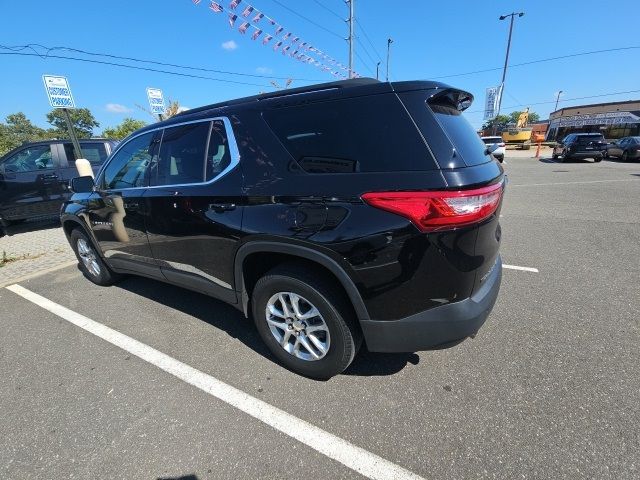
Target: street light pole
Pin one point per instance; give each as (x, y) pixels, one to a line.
(506, 61)
(557, 100)
(377, 70)
(389, 42)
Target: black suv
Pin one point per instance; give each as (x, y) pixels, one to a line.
(34, 177)
(334, 214)
(580, 145)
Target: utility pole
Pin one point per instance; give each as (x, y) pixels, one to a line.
(506, 61)
(72, 133)
(557, 100)
(377, 70)
(351, 38)
(389, 42)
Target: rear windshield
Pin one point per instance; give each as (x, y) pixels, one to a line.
(596, 137)
(363, 134)
(447, 109)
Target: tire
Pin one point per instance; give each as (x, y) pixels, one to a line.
(91, 265)
(597, 159)
(625, 156)
(336, 326)
(565, 157)
(554, 156)
(605, 154)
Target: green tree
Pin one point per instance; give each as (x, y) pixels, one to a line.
(500, 121)
(172, 108)
(82, 119)
(17, 130)
(126, 128)
(533, 116)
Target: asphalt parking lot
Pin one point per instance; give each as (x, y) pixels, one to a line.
(549, 388)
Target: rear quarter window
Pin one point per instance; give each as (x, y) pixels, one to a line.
(363, 134)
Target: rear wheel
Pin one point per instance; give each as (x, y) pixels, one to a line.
(625, 156)
(305, 321)
(605, 154)
(91, 265)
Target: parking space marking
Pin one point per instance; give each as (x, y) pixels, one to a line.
(571, 183)
(358, 459)
(524, 269)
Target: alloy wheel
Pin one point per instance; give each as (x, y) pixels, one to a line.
(88, 257)
(298, 326)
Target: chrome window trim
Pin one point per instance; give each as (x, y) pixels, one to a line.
(233, 150)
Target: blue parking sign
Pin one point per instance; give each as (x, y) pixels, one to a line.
(156, 101)
(58, 91)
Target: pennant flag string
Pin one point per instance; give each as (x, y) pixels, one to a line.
(302, 49)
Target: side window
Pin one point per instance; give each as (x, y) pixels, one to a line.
(96, 153)
(362, 134)
(218, 154)
(128, 167)
(29, 159)
(182, 155)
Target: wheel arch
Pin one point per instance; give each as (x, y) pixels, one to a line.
(293, 252)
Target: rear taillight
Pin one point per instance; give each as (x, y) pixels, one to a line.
(440, 210)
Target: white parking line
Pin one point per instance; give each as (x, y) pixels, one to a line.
(524, 269)
(570, 183)
(358, 459)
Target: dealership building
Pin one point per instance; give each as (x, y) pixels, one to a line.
(613, 120)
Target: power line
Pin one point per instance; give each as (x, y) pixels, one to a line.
(322, 27)
(565, 100)
(147, 69)
(328, 9)
(31, 46)
(363, 62)
(539, 61)
(365, 51)
(369, 40)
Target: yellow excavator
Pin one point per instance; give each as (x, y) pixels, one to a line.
(521, 134)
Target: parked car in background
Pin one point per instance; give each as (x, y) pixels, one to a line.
(330, 223)
(34, 177)
(626, 148)
(496, 147)
(580, 145)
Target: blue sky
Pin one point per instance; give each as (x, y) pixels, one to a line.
(431, 39)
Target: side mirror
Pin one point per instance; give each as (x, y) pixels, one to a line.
(82, 184)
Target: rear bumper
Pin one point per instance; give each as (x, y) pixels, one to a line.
(436, 326)
(585, 154)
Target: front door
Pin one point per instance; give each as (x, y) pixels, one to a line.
(118, 212)
(30, 184)
(194, 214)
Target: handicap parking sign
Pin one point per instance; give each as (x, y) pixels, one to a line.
(156, 101)
(58, 91)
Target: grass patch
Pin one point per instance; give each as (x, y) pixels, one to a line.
(7, 259)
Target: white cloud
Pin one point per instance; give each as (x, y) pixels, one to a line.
(117, 108)
(230, 45)
(264, 70)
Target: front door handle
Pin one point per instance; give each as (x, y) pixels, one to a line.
(222, 207)
(50, 176)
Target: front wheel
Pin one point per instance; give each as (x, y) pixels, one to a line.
(305, 321)
(91, 265)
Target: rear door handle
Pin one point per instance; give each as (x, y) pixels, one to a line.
(222, 207)
(50, 176)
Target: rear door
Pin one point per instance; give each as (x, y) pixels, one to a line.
(29, 183)
(193, 206)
